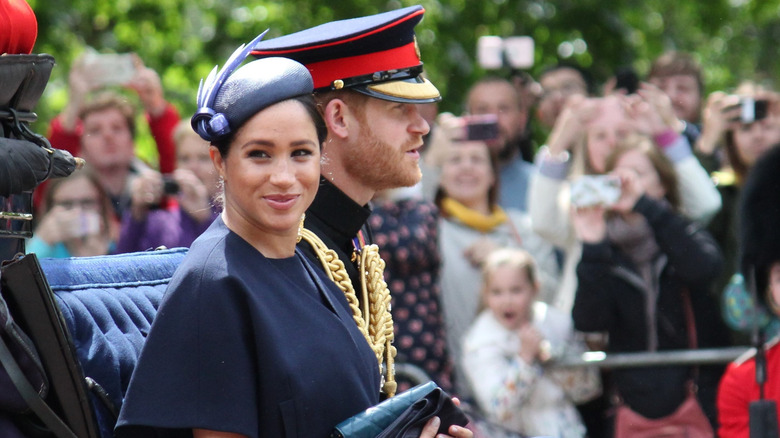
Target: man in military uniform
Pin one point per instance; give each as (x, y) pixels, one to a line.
(367, 80)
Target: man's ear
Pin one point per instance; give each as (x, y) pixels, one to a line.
(338, 118)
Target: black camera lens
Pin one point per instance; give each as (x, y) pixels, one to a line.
(170, 186)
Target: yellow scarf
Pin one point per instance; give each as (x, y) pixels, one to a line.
(473, 218)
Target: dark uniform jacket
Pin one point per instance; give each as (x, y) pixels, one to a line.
(336, 219)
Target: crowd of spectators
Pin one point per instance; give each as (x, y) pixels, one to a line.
(611, 274)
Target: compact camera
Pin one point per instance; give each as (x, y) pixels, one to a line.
(592, 190)
(476, 127)
(170, 186)
(752, 110)
(481, 127)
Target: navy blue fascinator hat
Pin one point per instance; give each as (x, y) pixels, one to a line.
(230, 96)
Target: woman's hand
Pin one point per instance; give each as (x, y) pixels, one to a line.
(721, 113)
(662, 104)
(478, 251)
(60, 224)
(571, 123)
(589, 224)
(193, 195)
(146, 82)
(146, 190)
(631, 190)
(81, 82)
(651, 112)
(432, 426)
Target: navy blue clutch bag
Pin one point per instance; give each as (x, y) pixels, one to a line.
(404, 415)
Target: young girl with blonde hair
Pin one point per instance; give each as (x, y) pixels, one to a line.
(509, 351)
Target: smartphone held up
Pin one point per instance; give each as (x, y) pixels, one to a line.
(595, 190)
(109, 68)
(494, 52)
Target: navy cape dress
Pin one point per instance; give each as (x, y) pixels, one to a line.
(250, 345)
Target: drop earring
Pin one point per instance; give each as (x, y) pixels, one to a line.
(300, 228)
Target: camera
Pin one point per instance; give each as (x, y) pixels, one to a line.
(752, 110)
(170, 186)
(476, 127)
(626, 79)
(481, 127)
(592, 190)
(493, 52)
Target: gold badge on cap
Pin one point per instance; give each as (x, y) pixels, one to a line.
(417, 48)
(338, 84)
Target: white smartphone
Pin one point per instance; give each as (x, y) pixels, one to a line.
(490, 52)
(494, 51)
(519, 51)
(89, 224)
(110, 68)
(592, 190)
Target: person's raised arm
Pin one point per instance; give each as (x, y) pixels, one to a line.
(161, 115)
(651, 112)
(547, 204)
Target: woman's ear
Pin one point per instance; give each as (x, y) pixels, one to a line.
(216, 159)
(338, 118)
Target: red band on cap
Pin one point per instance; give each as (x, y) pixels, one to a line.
(325, 72)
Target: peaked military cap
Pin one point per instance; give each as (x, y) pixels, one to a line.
(375, 55)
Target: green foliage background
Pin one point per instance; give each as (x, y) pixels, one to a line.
(184, 39)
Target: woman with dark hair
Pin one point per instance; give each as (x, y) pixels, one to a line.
(643, 266)
(251, 339)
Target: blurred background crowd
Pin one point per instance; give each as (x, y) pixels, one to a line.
(569, 203)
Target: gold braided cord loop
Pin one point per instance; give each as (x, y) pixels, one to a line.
(338, 274)
(374, 320)
(380, 325)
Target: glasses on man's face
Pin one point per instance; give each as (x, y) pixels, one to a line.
(84, 204)
(564, 90)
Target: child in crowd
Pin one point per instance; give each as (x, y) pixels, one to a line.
(76, 219)
(506, 353)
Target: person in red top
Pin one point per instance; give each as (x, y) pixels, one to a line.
(66, 129)
(760, 250)
(102, 130)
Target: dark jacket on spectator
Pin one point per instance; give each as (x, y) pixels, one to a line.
(610, 299)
